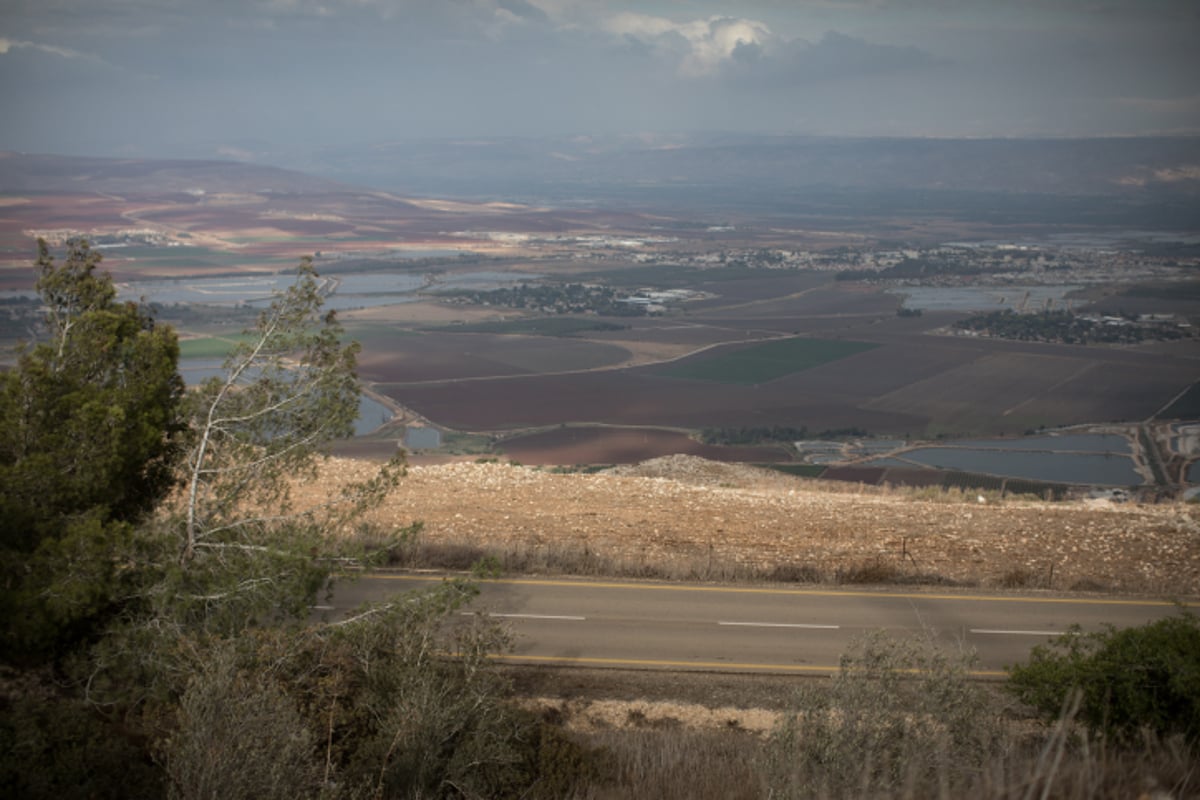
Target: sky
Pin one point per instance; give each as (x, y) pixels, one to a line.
(223, 77)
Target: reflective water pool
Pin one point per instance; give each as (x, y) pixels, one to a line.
(1083, 468)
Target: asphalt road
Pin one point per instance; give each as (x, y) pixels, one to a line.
(752, 629)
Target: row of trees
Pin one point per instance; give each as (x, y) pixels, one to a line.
(1068, 328)
(566, 298)
(915, 268)
(773, 434)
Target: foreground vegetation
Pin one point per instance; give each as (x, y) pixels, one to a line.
(158, 582)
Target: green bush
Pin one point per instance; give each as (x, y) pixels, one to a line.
(1129, 680)
(58, 747)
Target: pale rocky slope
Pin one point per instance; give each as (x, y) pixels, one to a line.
(684, 515)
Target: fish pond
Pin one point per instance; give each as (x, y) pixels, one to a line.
(1087, 459)
(342, 292)
(371, 413)
(983, 298)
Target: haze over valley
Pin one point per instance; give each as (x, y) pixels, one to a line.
(835, 329)
(754, 400)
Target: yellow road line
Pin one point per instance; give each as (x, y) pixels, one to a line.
(708, 665)
(661, 587)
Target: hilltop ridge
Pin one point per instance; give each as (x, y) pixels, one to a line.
(682, 516)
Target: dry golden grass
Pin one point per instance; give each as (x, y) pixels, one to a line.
(684, 515)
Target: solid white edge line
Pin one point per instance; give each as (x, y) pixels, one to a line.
(524, 616)
(1018, 633)
(782, 625)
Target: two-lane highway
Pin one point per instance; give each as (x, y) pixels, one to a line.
(749, 628)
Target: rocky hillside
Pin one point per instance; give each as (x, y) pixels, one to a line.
(684, 516)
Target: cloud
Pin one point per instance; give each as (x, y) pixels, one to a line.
(717, 43)
(701, 46)
(230, 71)
(1184, 172)
(837, 55)
(454, 13)
(7, 45)
(748, 50)
(235, 153)
(1189, 104)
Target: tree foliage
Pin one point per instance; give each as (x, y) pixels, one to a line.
(90, 433)
(287, 390)
(1129, 680)
(370, 707)
(242, 548)
(91, 416)
(184, 572)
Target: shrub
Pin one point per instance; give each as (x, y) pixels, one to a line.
(875, 571)
(675, 764)
(1020, 578)
(794, 573)
(239, 736)
(56, 746)
(1129, 680)
(898, 713)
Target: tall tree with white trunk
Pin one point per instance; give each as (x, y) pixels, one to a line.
(286, 391)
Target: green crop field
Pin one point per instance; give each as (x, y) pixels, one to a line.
(210, 347)
(544, 326)
(190, 257)
(376, 334)
(765, 362)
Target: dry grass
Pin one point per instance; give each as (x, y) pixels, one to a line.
(873, 731)
(689, 518)
(685, 764)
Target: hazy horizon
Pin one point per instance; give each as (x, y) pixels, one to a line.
(243, 79)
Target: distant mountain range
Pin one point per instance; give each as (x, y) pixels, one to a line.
(21, 172)
(1163, 166)
(1141, 182)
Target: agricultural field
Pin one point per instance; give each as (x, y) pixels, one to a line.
(614, 445)
(765, 337)
(762, 363)
(542, 326)
(635, 396)
(1010, 392)
(687, 333)
(398, 356)
(209, 347)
